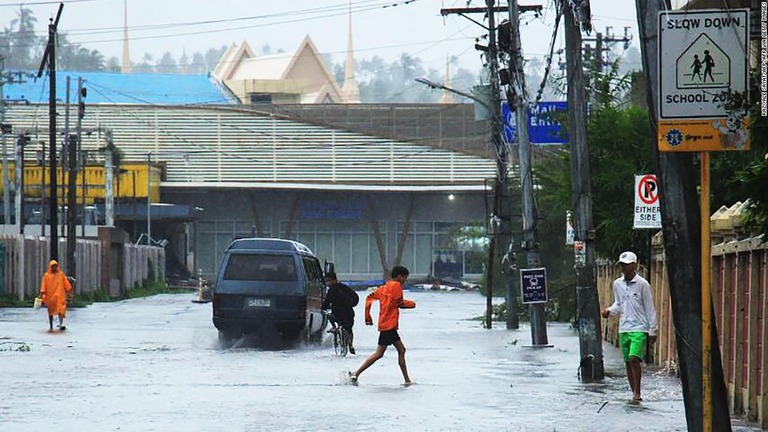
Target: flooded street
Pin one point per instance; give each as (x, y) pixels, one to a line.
(154, 364)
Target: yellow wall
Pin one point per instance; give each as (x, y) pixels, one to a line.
(95, 181)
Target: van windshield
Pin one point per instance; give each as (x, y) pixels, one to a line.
(258, 267)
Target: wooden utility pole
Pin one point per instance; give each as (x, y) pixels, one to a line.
(501, 158)
(73, 146)
(49, 59)
(6, 178)
(587, 301)
(500, 180)
(681, 226)
(538, 316)
(21, 141)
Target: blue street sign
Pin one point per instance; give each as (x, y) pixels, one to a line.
(542, 127)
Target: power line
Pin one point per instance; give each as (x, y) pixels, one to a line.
(319, 13)
(101, 30)
(47, 2)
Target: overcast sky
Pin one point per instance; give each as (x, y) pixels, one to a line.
(380, 27)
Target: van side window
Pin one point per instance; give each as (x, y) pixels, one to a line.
(313, 271)
(258, 267)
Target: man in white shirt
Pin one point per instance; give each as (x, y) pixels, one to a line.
(634, 302)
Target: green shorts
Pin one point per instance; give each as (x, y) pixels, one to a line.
(633, 344)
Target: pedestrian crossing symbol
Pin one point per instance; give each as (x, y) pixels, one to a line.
(703, 65)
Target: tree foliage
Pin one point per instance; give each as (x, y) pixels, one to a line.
(738, 176)
(19, 46)
(72, 56)
(384, 82)
(619, 141)
(22, 49)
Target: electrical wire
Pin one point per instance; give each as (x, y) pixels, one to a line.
(46, 2)
(244, 27)
(326, 13)
(162, 26)
(552, 41)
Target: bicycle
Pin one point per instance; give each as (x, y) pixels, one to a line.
(342, 339)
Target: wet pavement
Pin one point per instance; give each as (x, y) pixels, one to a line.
(154, 364)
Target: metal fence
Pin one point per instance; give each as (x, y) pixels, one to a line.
(24, 259)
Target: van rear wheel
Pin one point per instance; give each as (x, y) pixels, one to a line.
(227, 337)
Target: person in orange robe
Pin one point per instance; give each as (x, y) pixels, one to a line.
(390, 297)
(55, 290)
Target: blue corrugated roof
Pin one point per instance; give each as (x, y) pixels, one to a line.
(117, 88)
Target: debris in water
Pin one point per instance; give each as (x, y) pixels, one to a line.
(602, 406)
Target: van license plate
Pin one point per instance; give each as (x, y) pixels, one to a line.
(259, 302)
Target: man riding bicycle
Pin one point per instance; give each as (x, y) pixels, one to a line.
(341, 300)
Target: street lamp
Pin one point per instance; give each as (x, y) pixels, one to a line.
(434, 85)
(499, 182)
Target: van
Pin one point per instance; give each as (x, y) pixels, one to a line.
(268, 287)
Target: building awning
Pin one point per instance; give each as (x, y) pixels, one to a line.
(478, 187)
(158, 211)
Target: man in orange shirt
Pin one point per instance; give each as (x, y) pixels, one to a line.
(55, 290)
(390, 297)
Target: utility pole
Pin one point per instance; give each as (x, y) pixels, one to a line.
(49, 58)
(499, 224)
(73, 148)
(682, 246)
(73, 141)
(603, 42)
(500, 179)
(530, 218)
(6, 180)
(109, 167)
(501, 158)
(72, 206)
(587, 301)
(6, 129)
(149, 198)
(65, 170)
(21, 141)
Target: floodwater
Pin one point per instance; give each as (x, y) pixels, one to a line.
(154, 364)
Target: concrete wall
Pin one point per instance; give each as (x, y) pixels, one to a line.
(739, 287)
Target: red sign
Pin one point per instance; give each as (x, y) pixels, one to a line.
(648, 189)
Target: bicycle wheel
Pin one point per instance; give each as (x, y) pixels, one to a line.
(337, 345)
(344, 341)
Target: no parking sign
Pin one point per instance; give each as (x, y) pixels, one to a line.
(647, 214)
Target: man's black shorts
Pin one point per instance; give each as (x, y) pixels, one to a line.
(388, 337)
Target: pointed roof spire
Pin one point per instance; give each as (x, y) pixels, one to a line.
(184, 62)
(126, 65)
(447, 97)
(349, 90)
